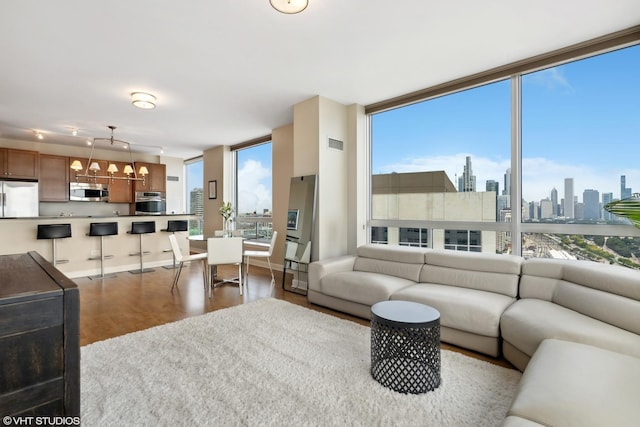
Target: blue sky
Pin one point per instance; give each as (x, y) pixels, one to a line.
(254, 179)
(580, 120)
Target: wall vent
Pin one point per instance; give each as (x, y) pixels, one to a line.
(336, 144)
(172, 178)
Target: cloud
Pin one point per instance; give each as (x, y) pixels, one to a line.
(483, 168)
(254, 187)
(551, 78)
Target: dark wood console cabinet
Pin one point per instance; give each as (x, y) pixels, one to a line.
(39, 339)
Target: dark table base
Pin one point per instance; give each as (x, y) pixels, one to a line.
(406, 360)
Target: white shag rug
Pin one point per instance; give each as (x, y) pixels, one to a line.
(273, 363)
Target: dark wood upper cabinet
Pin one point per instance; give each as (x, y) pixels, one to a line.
(54, 178)
(19, 164)
(120, 190)
(156, 180)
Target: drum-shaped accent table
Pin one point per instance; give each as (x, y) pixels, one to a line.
(405, 346)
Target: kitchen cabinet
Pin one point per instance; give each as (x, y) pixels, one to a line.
(156, 180)
(39, 339)
(54, 178)
(120, 190)
(19, 164)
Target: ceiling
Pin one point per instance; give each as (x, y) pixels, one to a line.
(226, 72)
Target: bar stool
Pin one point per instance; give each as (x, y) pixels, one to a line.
(102, 229)
(172, 227)
(141, 228)
(54, 232)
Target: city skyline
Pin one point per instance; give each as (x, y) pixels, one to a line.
(579, 120)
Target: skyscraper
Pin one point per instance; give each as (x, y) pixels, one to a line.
(494, 186)
(625, 192)
(467, 182)
(197, 202)
(546, 209)
(591, 201)
(507, 183)
(554, 202)
(569, 211)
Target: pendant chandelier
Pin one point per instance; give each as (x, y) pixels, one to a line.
(94, 167)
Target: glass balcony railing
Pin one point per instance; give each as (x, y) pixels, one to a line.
(258, 228)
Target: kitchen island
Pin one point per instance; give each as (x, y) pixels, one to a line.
(81, 253)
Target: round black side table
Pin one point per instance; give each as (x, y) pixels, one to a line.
(405, 346)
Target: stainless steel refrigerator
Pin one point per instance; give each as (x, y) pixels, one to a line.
(18, 199)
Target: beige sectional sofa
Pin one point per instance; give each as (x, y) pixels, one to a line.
(582, 301)
(573, 327)
(470, 290)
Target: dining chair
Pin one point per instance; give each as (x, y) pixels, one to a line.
(222, 251)
(250, 253)
(177, 253)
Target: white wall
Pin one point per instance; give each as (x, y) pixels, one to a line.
(315, 121)
(176, 203)
(357, 177)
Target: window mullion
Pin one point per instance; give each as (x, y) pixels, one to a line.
(516, 164)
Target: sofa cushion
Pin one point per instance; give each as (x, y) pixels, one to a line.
(572, 384)
(361, 286)
(398, 261)
(481, 271)
(528, 321)
(603, 292)
(467, 310)
(613, 279)
(614, 309)
(513, 421)
(475, 261)
(406, 254)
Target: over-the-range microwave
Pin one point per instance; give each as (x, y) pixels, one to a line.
(88, 192)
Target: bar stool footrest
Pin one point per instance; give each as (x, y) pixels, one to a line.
(138, 253)
(103, 276)
(144, 270)
(97, 258)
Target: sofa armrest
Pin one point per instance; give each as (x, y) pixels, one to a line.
(319, 269)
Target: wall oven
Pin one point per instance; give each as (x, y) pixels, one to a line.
(150, 203)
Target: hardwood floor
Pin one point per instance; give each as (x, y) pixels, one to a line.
(132, 302)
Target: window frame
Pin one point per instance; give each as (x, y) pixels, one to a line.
(517, 228)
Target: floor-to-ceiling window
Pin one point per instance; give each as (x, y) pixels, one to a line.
(442, 160)
(253, 191)
(194, 194)
(534, 157)
(580, 151)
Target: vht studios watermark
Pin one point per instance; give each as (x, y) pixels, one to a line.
(41, 421)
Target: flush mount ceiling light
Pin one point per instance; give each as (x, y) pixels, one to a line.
(289, 6)
(143, 100)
